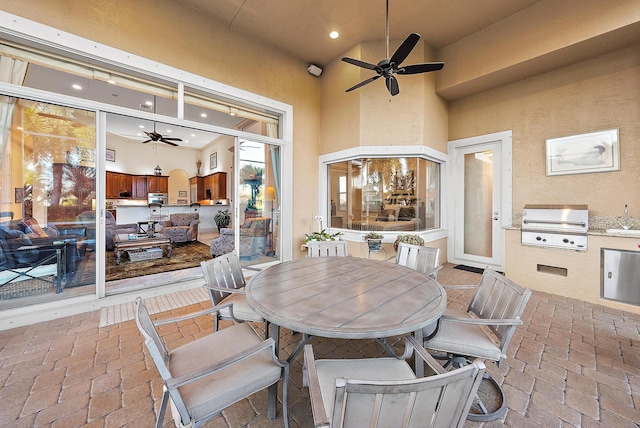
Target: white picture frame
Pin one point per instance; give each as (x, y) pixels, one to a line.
(584, 153)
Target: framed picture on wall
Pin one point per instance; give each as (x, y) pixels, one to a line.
(111, 155)
(213, 160)
(584, 153)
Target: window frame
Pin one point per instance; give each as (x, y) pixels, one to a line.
(421, 151)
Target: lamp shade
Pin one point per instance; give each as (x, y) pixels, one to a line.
(271, 193)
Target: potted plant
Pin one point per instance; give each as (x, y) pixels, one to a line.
(374, 240)
(323, 235)
(222, 219)
(409, 239)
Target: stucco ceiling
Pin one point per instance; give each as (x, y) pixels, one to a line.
(302, 27)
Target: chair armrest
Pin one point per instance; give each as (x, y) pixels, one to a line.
(458, 287)
(425, 356)
(227, 362)
(481, 321)
(196, 314)
(320, 418)
(225, 289)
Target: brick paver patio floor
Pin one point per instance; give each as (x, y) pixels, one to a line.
(571, 364)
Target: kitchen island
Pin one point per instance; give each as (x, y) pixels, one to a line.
(135, 211)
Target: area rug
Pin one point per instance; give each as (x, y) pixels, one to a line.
(183, 256)
(469, 269)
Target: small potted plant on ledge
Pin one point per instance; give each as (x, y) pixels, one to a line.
(409, 239)
(323, 235)
(374, 241)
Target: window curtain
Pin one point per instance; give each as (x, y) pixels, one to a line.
(272, 131)
(11, 71)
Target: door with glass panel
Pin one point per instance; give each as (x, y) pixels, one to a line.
(480, 201)
(258, 213)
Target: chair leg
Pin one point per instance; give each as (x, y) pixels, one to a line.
(163, 407)
(485, 415)
(479, 410)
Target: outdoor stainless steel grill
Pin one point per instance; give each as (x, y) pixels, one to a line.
(556, 226)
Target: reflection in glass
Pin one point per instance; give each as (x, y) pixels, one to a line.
(259, 189)
(384, 194)
(48, 179)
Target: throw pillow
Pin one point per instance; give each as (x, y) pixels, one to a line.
(33, 229)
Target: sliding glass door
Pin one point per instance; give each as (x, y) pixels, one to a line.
(259, 191)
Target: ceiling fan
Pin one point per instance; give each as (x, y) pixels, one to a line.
(390, 66)
(154, 136)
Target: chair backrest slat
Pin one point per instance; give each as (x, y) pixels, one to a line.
(327, 248)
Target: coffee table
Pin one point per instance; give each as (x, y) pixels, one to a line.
(122, 243)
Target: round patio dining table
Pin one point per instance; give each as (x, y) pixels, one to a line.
(345, 297)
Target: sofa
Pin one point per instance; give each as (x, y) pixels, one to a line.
(181, 227)
(88, 220)
(253, 239)
(29, 250)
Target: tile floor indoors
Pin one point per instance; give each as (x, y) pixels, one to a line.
(570, 364)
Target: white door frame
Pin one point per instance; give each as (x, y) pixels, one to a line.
(455, 188)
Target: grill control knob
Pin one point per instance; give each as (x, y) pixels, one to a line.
(538, 238)
(565, 240)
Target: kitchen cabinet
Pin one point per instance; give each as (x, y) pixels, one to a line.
(139, 187)
(216, 186)
(196, 185)
(118, 182)
(157, 184)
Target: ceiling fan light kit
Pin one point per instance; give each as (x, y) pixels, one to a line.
(390, 66)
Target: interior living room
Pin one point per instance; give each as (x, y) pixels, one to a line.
(534, 110)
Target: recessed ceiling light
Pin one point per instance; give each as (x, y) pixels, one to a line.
(334, 34)
(141, 126)
(203, 114)
(111, 81)
(193, 135)
(168, 131)
(76, 86)
(149, 103)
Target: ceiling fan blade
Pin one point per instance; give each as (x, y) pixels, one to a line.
(364, 82)
(392, 85)
(148, 141)
(172, 139)
(405, 48)
(362, 64)
(164, 140)
(421, 68)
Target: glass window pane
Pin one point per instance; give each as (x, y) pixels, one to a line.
(385, 194)
(48, 181)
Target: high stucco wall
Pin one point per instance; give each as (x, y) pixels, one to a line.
(370, 116)
(169, 32)
(597, 94)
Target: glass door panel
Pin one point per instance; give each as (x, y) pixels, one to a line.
(259, 202)
(48, 198)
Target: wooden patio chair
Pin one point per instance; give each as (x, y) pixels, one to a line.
(384, 392)
(205, 376)
(327, 249)
(225, 283)
(482, 332)
(420, 258)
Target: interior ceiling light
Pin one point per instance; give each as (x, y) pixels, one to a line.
(76, 86)
(149, 103)
(203, 114)
(334, 34)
